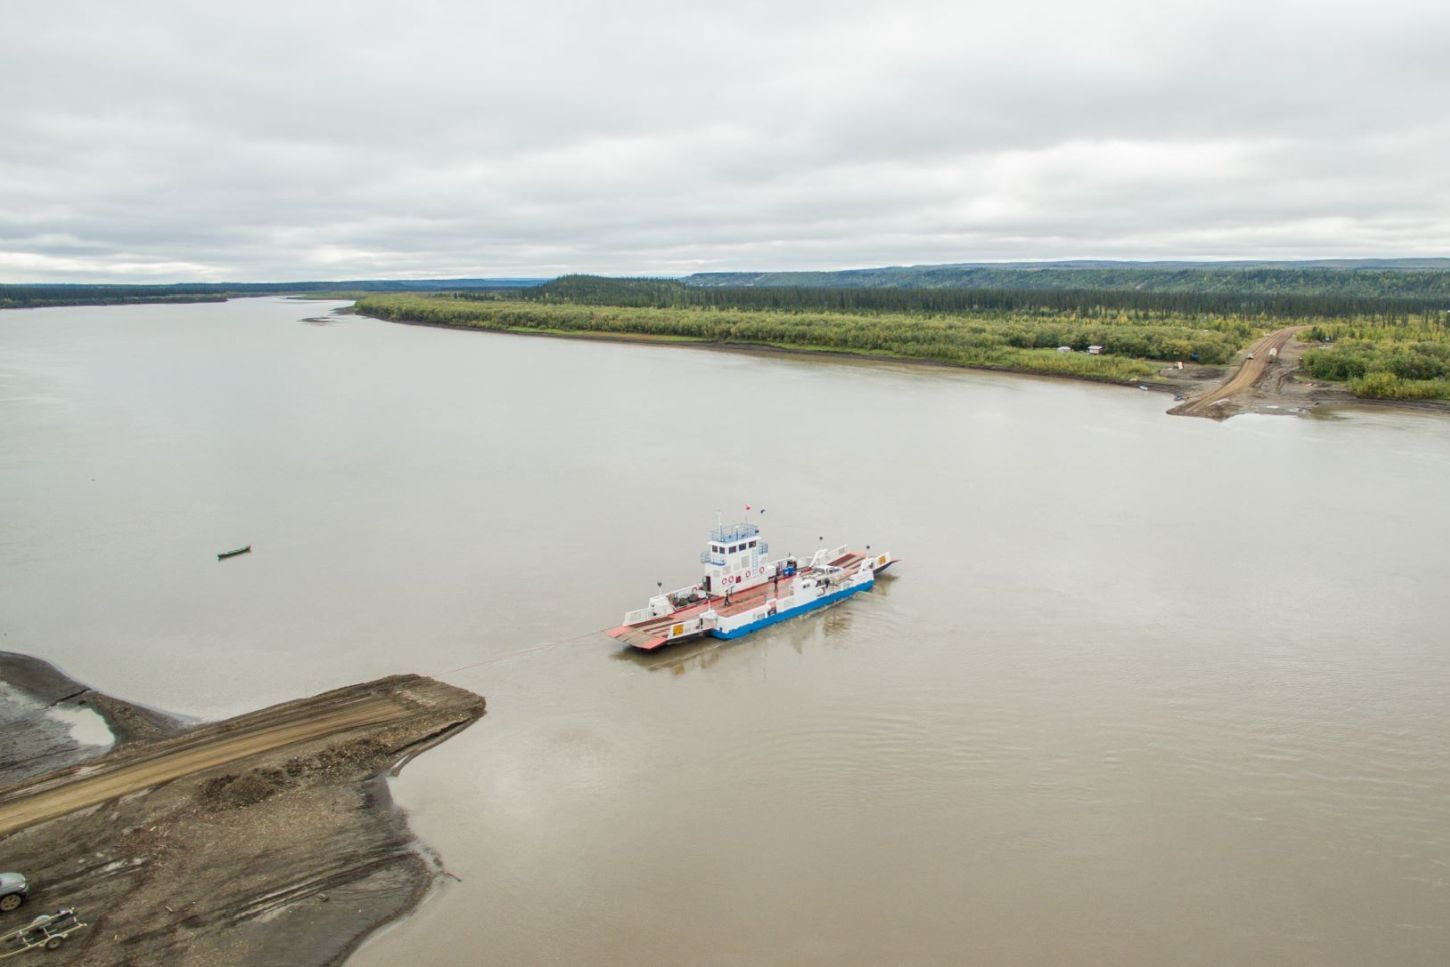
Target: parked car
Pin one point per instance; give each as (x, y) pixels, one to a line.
(13, 891)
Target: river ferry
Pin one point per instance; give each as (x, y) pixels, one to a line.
(743, 590)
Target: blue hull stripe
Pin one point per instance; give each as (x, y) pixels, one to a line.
(784, 615)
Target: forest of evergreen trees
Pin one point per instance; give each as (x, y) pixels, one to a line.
(664, 293)
(1425, 281)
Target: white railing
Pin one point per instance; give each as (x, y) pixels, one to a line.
(653, 610)
(733, 532)
(824, 556)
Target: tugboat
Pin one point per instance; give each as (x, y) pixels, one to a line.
(743, 591)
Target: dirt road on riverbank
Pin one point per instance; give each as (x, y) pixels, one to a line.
(266, 838)
(1218, 403)
(204, 749)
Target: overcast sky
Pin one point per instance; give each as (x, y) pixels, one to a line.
(164, 141)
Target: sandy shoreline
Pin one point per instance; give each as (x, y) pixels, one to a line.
(267, 838)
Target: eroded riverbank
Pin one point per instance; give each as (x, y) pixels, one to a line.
(270, 837)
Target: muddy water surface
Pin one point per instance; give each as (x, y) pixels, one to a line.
(1144, 691)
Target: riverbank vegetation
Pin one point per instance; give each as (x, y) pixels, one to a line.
(1378, 348)
(1018, 340)
(1377, 360)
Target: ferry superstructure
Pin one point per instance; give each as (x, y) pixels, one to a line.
(743, 590)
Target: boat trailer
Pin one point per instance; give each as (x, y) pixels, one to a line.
(46, 931)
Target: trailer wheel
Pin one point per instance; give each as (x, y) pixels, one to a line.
(10, 901)
(53, 943)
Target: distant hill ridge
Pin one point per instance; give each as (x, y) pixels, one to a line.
(1373, 278)
(1423, 282)
(1400, 263)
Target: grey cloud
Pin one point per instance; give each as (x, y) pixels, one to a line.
(272, 141)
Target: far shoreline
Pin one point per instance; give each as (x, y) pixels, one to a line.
(1160, 384)
(1317, 398)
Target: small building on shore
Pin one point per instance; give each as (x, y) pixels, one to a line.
(1095, 350)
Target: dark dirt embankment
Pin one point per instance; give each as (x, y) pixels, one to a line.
(269, 838)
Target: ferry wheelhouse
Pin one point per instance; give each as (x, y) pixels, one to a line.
(743, 590)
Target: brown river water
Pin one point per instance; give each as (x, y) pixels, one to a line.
(1144, 690)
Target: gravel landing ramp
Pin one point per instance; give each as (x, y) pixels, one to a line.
(269, 838)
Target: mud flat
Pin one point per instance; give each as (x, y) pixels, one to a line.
(269, 838)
